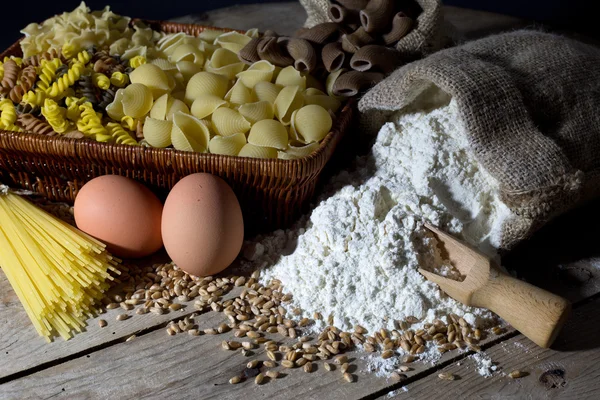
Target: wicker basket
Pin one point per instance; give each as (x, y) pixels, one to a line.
(272, 193)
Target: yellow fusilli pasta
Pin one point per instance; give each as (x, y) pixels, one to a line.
(65, 81)
(100, 80)
(47, 72)
(120, 135)
(56, 116)
(90, 123)
(119, 79)
(8, 114)
(137, 61)
(35, 97)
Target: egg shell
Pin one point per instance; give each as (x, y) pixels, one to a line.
(202, 224)
(122, 213)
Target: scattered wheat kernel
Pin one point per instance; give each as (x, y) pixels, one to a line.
(194, 332)
(122, 317)
(171, 332)
(398, 377)
(517, 374)
(308, 367)
(102, 323)
(130, 338)
(344, 367)
(348, 377)
(404, 368)
(287, 364)
(272, 374)
(210, 331)
(447, 376)
(252, 364)
(112, 306)
(225, 345)
(272, 356)
(387, 354)
(269, 364)
(340, 359)
(327, 366)
(235, 379)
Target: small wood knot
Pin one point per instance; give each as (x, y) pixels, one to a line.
(553, 379)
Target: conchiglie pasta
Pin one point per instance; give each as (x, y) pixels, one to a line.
(153, 77)
(239, 94)
(232, 41)
(137, 100)
(115, 109)
(266, 91)
(206, 104)
(226, 63)
(226, 122)
(209, 35)
(206, 83)
(159, 108)
(189, 133)
(170, 42)
(297, 150)
(250, 150)
(290, 76)
(187, 69)
(330, 81)
(323, 100)
(312, 122)
(227, 145)
(269, 133)
(158, 132)
(254, 112)
(260, 71)
(288, 100)
(187, 52)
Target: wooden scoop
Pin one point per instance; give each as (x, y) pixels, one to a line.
(536, 313)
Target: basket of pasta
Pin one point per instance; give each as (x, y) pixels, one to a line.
(85, 94)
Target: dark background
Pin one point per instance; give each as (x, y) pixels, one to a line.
(577, 15)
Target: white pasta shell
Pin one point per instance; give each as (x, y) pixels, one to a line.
(227, 145)
(205, 83)
(330, 81)
(313, 123)
(250, 150)
(269, 133)
(189, 133)
(260, 71)
(169, 42)
(290, 76)
(253, 33)
(225, 62)
(293, 134)
(239, 94)
(187, 52)
(137, 100)
(233, 41)
(288, 100)
(153, 77)
(314, 92)
(258, 111)
(158, 132)
(266, 91)
(298, 150)
(164, 64)
(159, 109)
(115, 109)
(187, 69)
(327, 102)
(210, 35)
(205, 105)
(176, 106)
(226, 122)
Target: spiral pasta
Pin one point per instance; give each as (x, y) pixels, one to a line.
(100, 80)
(90, 123)
(37, 59)
(83, 57)
(73, 110)
(11, 74)
(34, 98)
(119, 79)
(137, 61)
(48, 72)
(65, 81)
(8, 114)
(119, 135)
(55, 116)
(32, 124)
(28, 76)
(1, 70)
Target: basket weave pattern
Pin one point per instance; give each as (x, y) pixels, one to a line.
(272, 192)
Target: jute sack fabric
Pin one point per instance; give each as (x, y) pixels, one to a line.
(426, 37)
(530, 102)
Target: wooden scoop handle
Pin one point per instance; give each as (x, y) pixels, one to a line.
(536, 313)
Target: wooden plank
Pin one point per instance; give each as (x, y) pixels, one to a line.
(21, 348)
(569, 371)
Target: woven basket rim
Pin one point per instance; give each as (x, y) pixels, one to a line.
(267, 163)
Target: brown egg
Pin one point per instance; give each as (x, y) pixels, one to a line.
(202, 224)
(122, 213)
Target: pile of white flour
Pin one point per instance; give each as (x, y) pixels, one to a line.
(356, 255)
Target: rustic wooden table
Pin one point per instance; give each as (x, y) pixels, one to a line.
(100, 363)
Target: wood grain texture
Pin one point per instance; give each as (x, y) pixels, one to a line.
(569, 371)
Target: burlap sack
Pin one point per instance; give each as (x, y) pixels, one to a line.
(426, 37)
(531, 104)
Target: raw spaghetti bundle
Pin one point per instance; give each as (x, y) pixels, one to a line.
(58, 272)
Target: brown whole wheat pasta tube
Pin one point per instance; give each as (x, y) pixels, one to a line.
(73, 135)
(37, 59)
(11, 74)
(342, 15)
(32, 124)
(354, 4)
(377, 15)
(249, 53)
(401, 25)
(352, 82)
(270, 50)
(28, 77)
(321, 33)
(333, 56)
(270, 32)
(302, 51)
(354, 41)
(375, 57)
